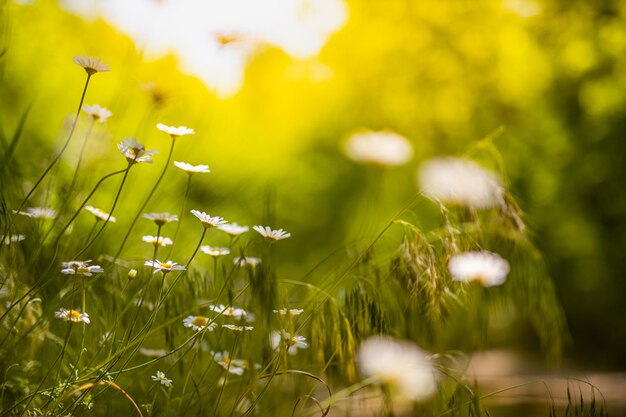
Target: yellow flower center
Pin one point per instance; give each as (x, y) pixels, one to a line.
(200, 321)
(82, 270)
(166, 265)
(73, 315)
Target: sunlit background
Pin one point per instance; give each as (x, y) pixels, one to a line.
(274, 87)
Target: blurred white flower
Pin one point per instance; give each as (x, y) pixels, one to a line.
(402, 366)
(380, 148)
(233, 229)
(161, 241)
(236, 313)
(91, 64)
(161, 218)
(215, 251)
(192, 169)
(100, 214)
(486, 268)
(175, 132)
(289, 311)
(164, 267)
(7, 240)
(272, 235)
(459, 181)
(284, 340)
(160, 377)
(155, 353)
(237, 329)
(38, 213)
(207, 220)
(97, 113)
(74, 316)
(234, 366)
(247, 261)
(134, 151)
(199, 323)
(80, 268)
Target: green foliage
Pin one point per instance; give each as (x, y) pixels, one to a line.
(444, 74)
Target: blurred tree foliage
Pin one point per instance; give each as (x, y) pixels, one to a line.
(445, 74)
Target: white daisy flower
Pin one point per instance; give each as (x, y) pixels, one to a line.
(233, 229)
(199, 323)
(236, 313)
(153, 353)
(97, 113)
(160, 377)
(272, 235)
(380, 148)
(7, 240)
(74, 316)
(207, 220)
(459, 181)
(164, 267)
(161, 241)
(38, 213)
(290, 311)
(215, 251)
(175, 132)
(237, 329)
(100, 214)
(161, 218)
(135, 152)
(284, 340)
(91, 64)
(192, 169)
(245, 261)
(234, 366)
(402, 366)
(486, 268)
(80, 268)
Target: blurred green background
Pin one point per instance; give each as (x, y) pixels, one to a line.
(444, 74)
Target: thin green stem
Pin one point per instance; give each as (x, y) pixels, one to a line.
(146, 201)
(231, 354)
(156, 243)
(58, 157)
(80, 159)
(180, 216)
(111, 210)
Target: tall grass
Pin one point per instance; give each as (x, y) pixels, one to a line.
(229, 335)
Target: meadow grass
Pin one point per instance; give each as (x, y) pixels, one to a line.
(89, 327)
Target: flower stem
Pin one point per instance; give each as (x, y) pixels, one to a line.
(117, 196)
(180, 217)
(145, 203)
(156, 244)
(67, 142)
(80, 159)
